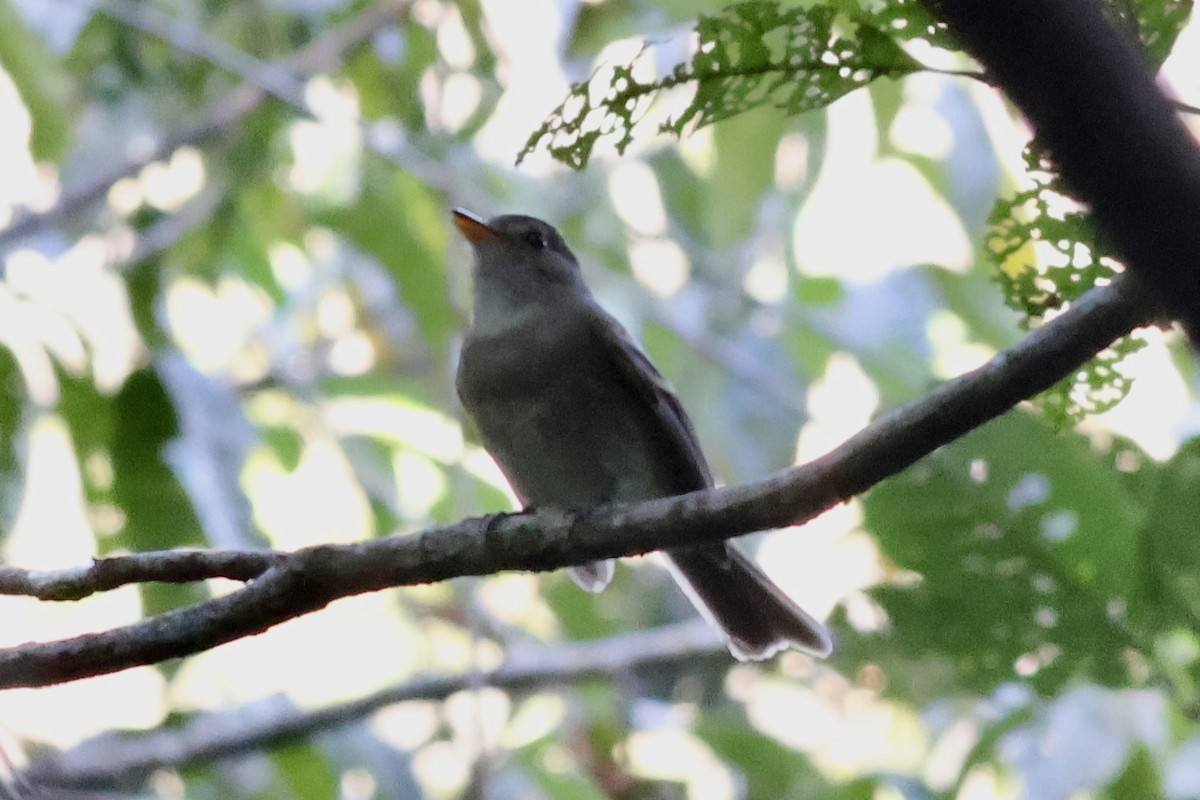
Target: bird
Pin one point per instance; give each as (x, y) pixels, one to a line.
(575, 415)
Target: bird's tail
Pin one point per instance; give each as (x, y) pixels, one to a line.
(756, 616)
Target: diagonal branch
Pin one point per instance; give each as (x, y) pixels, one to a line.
(104, 574)
(276, 80)
(111, 760)
(271, 79)
(1093, 102)
(221, 115)
(309, 579)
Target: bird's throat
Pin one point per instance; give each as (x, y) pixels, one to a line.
(499, 311)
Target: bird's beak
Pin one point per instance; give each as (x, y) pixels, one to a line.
(475, 229)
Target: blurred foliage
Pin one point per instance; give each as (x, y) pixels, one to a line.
(762, 53)
(272, 366)
(1156, 23)
(1047, 533)
(1047, 253)
(1044, 214)
(753, 54)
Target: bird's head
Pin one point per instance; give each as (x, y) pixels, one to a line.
(520, 252)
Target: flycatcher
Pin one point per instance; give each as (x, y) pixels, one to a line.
(576, 416)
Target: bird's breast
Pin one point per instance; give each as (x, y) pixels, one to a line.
(560, 428)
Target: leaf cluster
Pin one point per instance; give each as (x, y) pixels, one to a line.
(1029, 574)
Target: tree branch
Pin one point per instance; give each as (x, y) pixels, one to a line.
(309, 579)
(276, 80)
(104, 574)
(270, 79)
(221, 115)
(113, 759)
(1090, 95)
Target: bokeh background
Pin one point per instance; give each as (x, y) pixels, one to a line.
(229, 314)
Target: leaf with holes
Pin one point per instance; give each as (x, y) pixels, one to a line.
(1047, 253)
(753, 54)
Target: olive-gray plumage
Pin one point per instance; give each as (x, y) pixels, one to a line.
(575, 415)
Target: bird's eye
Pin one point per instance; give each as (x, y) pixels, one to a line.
(535, 239)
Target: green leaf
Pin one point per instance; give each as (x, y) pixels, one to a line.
(753, 54)
(597, 24)
(399, 221)
(143, 284)
(819, 291)
(44, 86)
(1043, 216)
(904, 19)
(285, 442)
(377, 74)
(1140, 777)
(475, 24)
(306, 773)
(1157, 23)
(1172, 549)
(134, 428)
(542, 763)
(90, 417)
(1096, 387)
(745, 170)
(579, 612)
(990, 737)
(130, 431)
(248, 231)
(685, 194)
(158, 512)
(1026, 543)
(12, 438)
(1047, 253)
(866, 788)
(771, 770)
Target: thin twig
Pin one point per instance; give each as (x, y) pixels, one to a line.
(123, 759)
(104, 574)
(309, 579)
(220, 115)
(275, 81)
(164, 233)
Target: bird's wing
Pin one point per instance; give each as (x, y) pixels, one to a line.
(668, 423)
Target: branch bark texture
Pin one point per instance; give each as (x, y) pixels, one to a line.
(124, 760)
(309, 579)
(1090, 94)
